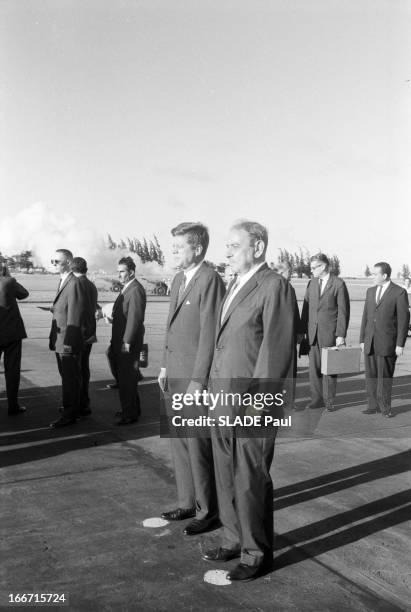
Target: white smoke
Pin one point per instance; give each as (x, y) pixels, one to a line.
(39, 229)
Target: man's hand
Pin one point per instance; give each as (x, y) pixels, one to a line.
(399, 350)
(67, 350)
(125, 348)
(162, 379)
(339, 341)
(362, 346)
(99, 314)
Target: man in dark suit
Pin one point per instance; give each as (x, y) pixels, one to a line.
(127, 336)
(254, 353)
(196, 294)
(284, 270)
(325, 317)
(384, 328)
(11, 334)
(79, 269)
(66, 336)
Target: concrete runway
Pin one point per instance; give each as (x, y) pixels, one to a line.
(74, 500)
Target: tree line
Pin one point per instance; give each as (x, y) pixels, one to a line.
(404, 273)
(299, 262)
(147, 250)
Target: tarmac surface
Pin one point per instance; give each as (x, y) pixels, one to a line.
(74, 500)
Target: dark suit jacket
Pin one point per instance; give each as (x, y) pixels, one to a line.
(68, 313)
(128, 318)
(191, 328)
(386, 324)
(90, 299)
(11, 323)
(325, 318)
(255, 344)
(297, 320)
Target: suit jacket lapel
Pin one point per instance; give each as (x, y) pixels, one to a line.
(62, 286)
(179, 302)
(327, 286)
(250, 285)
(388, 289)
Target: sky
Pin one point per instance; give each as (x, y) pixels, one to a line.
(129, 117)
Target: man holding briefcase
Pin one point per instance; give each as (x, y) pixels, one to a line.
(325, 317)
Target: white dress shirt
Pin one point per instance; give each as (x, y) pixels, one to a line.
(325, 280)
(383, 290)
(238, 284)
(189, 274)
(63, 278)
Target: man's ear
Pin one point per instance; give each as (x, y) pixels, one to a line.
(259, 248)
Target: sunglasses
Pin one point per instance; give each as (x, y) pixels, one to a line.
(55, 262)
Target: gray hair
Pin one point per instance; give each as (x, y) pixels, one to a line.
(255, 230)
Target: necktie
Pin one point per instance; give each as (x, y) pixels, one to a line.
(229, 299)
(378, 298)
(320, 286)
(182, 287)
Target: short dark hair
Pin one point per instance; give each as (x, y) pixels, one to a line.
(78, 265)
(255, 230)
(322, 258)
(68, 254)
(384, 267)
(197, 234)
(128, 262)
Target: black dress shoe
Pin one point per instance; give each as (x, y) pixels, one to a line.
(299, 407)
(118, 413)
(369, 411)
(112, 386)
(331, 408)
(201, 526)
(179, 514)
(18, 410)
(245, 573)
(220, 554)
(85, 413)
(62, 422)
(126, 421)
(315, 406)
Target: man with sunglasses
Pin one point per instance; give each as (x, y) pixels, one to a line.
(66, 336)
(325, 317)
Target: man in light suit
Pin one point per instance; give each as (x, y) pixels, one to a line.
(254, 353)
(66, 336)
(12, 333)
(384, 328)
(79, 269)
(196, 294)
(325, 317)
(127, 336)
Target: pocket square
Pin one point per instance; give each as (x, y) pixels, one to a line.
(188, 302)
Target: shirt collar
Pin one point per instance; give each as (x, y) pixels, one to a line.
(241, 280)
(189, 274)
(325, 279)
(126, 285)
(63, 277)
